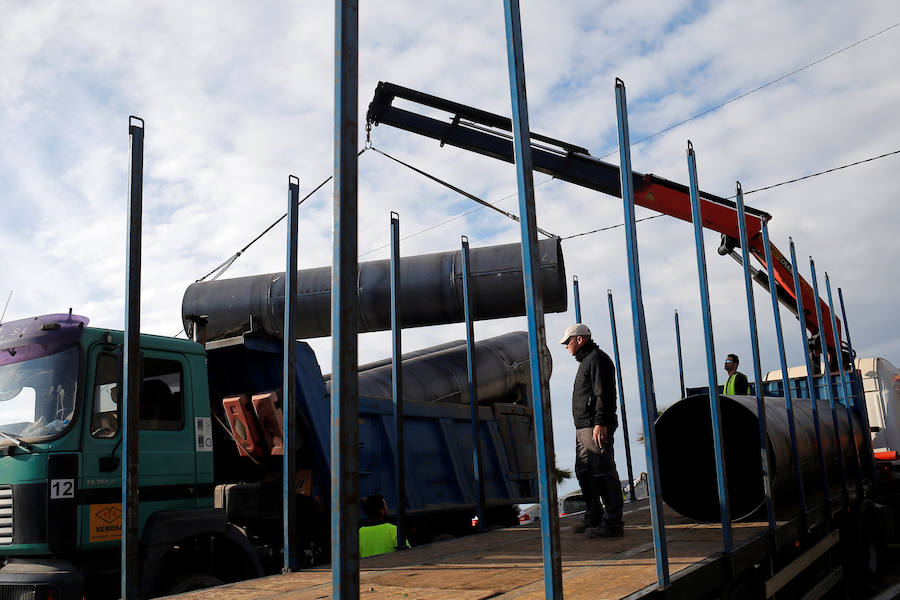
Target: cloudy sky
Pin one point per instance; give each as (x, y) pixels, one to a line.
(237, 96)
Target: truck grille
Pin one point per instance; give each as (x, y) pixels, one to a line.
(26, 592)
(6, 514)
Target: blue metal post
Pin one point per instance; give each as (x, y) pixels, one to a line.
(473, 384)
(577, 298)
(863, 408)
(823, 343)
(534, 306)
(809, 376)
(615, 341)
(782, 356)
(714, 406)
(345, 310)
(680, 359)
(754, 345)
(641, 346)
(847, 395)
(289, 380)
(397, 383)
(130, 584)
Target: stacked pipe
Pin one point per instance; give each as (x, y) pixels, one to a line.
(432, 294)
(439, 374)
(687, 466)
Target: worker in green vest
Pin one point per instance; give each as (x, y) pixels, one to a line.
(737, 384)
(380, 537)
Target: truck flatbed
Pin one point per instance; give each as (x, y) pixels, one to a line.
(507, 563)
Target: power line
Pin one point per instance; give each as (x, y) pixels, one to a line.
(811, 175)
(768, 187)
(569, 237)
(756, 89)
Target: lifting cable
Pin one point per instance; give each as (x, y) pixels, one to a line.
(218, 271)
(472, 197)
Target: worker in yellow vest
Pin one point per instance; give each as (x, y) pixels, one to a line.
(737, 384)
(380, 537)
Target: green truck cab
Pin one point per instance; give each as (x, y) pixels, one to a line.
(60, 464)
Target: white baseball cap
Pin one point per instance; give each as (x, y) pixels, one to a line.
(573, 330)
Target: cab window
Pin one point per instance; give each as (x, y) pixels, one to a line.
(161, 405)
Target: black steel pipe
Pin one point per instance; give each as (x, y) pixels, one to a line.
(687, 466)
(441, 375)
(431, 294)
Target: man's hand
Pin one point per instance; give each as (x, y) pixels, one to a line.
(600, 435)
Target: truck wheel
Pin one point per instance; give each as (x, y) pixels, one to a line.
(190, 582)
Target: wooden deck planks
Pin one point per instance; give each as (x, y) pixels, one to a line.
(507, 564)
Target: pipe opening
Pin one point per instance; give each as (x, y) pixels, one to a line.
(687, 459)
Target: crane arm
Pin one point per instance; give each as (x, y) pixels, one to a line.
(490, 134)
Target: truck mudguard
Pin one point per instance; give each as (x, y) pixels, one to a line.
(166, 528)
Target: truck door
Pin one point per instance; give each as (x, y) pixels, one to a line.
(166, 462)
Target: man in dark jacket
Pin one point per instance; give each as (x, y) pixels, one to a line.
(594, 411)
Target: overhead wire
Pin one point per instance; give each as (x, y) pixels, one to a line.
(756, 89)
(767, 187)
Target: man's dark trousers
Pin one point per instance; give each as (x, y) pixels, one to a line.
(595, 469)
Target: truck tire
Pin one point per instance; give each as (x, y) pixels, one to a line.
(190, 582)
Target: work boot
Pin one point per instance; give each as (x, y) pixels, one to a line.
(603, 532)
(580, 527)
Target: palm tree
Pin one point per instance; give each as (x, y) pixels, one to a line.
(561, 474)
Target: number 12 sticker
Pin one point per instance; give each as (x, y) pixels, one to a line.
(62, 488)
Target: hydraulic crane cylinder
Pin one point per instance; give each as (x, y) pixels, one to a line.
(687, 467)
(431, 294)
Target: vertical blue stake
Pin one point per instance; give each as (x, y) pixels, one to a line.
(345, 310)
(846, 388)
(754, 346)
(534, 306)
(397, 383)
(823, 343)
(641, 346)
(809, 377)
(785, 382)
(715, 408)
(680, 359)
(132, 376)
(289, 380)
(477, 467)
(577, 297)
(615, 341)
(860, 402)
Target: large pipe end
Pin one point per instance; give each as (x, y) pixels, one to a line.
(687, 464)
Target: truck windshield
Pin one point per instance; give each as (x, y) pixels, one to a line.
(37, 396)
